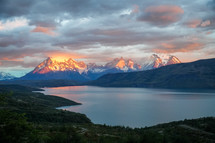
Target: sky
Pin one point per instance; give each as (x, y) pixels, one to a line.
(100, 30)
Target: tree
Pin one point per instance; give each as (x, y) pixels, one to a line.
(14, 127)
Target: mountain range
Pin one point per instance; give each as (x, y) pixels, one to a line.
(197, 75)
(6, 76)
(71, 69)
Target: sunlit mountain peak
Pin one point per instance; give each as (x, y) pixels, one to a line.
(156, 61)
(68, 68)
(58, 59)
(59, 64)
(121, 63)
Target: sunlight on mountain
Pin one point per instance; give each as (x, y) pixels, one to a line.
(59, 59)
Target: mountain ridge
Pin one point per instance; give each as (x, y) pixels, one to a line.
(198, 74)
(6, 76)
(80, 71)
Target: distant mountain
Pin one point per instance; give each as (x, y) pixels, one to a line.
(117, 65)
(123, 65)
(156, 61)
(53, 69)
(6, 76)
(73, 70)
(199, 74)
(52, 65)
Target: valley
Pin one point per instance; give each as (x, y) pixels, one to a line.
(42, 123)
(36, 112)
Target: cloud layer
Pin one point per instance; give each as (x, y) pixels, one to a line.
(161, 15)
(98, 31)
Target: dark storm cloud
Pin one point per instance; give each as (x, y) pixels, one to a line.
(12, 39)
(211, 4)
(45, 12)
(13, 8)
(17, 53)
(22, 37)
(5, 42)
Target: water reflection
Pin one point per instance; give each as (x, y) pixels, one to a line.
(137, 107)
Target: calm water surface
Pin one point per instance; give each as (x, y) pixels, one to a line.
(136, 107)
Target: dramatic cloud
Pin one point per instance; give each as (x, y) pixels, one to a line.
(193, 23)
(97, 31)
(162, 15)
(45, 30)
(13, 23)
(178, 47)
(51, 12)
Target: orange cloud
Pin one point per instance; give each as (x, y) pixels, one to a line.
(168, 46)
(192, 47)
(162, 15)
(180, 47)
(45, 30)
(193, 23)
(165, 9)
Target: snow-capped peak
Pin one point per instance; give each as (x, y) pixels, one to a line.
(116, 65)
(6, 76)
(123, 64)
(173, 60)
(156, 61)
(51, 64)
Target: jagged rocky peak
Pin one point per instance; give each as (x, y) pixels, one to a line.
(130, 64)
(156, 61)
(52, 64)
(173, 60)
(53, 68)
(115, 63)
(123, 64)
(91, 65)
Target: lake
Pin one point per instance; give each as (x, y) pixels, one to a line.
(137, 107)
